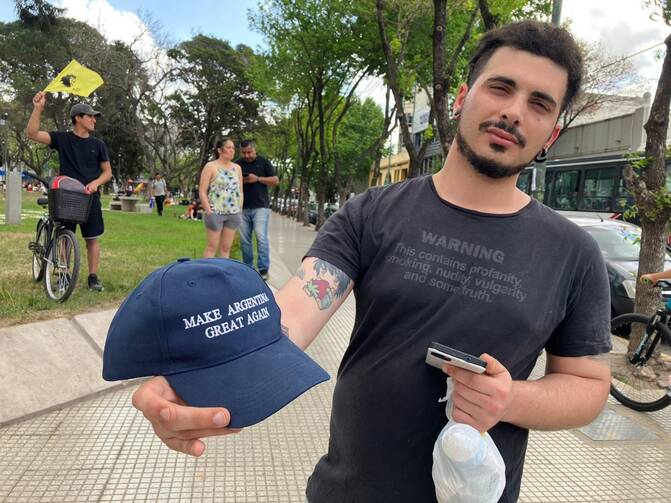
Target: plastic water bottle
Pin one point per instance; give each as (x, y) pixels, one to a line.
(467, 465)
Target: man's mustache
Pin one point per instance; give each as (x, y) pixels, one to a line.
(504, 126)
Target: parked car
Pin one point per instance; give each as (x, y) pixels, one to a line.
(329, 209)
(619, 244)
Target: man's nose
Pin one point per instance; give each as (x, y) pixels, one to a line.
(513, 110)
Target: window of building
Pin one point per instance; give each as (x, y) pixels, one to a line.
(417, 140)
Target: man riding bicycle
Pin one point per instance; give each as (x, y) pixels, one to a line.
(84, 158)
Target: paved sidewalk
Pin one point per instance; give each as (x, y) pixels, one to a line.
(66, 435)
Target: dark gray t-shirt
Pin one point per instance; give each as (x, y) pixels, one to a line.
(80, 158)
(426, 270)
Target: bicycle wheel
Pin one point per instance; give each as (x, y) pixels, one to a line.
(62, 268)
(39, 247)
(643, 386)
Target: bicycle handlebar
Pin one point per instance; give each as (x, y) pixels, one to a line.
(33, 175)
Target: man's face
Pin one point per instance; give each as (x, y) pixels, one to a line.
(510, 112)
(88, 122)
(248, 153)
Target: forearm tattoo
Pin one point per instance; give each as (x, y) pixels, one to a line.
(328, 284)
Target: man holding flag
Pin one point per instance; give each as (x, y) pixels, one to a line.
(84, 158)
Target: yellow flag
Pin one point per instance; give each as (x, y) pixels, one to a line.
(75, 79)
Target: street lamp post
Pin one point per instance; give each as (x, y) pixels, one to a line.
(12, 179)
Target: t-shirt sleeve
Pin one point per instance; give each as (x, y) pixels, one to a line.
(268, 169)
(339, 241)
(585, 329)
(56, 139)
(103, 156)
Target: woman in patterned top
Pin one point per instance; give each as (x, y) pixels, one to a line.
(220, 191)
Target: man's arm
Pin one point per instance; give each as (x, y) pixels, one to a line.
(270, 181)
(571, 394)
(310, 297)
(655, 276)
(33, 130)
(307, 302)
(104, 177)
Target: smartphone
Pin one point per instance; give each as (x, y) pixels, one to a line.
(437, 355)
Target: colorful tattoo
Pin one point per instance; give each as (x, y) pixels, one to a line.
(322, 287)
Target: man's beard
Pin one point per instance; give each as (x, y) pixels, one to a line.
(485, 166)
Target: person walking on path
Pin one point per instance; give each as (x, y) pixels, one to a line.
(84, 158)
(158, 192)
(221, 197)
(258, 175)
(462, 258)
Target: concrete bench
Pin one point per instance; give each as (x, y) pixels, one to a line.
(142, 208)
(128, 203)
(115, 205)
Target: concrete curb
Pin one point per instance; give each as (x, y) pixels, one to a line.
(52, 364)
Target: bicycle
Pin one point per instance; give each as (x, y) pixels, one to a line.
(641, 379)
(56, 253)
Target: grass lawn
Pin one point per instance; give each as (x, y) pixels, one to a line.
(134, 244)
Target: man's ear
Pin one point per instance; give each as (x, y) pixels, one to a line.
(459, 100)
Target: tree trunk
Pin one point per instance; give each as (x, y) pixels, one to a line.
(646, 188)
(393, 82)
(442, 75)
(440, 104)
(488, 18)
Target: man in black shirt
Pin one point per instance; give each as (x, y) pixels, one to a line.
(84, 158)
(462, 258)
(258, 175)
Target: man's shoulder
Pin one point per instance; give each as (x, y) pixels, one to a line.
(58, 136)
(391, 194)
(97, 140)
(564, 234)
(407, 187)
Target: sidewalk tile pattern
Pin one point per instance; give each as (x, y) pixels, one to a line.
(102, 450)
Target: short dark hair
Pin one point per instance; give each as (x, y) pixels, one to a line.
(74, 118)
(540, 39)
(247, 143)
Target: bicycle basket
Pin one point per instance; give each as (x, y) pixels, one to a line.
(68, 200)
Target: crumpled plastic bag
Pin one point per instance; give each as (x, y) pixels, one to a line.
(467, 465)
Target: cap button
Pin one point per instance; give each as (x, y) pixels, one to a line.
(183, 259)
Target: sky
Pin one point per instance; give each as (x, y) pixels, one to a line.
(622, 26)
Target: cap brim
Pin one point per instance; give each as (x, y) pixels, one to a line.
(254, 386)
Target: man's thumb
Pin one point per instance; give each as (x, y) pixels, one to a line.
(494, 367)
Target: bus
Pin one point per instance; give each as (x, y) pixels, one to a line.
(593, 184)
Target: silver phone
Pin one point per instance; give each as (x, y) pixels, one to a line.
(438, 355)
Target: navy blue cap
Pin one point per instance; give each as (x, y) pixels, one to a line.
(212, 328)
